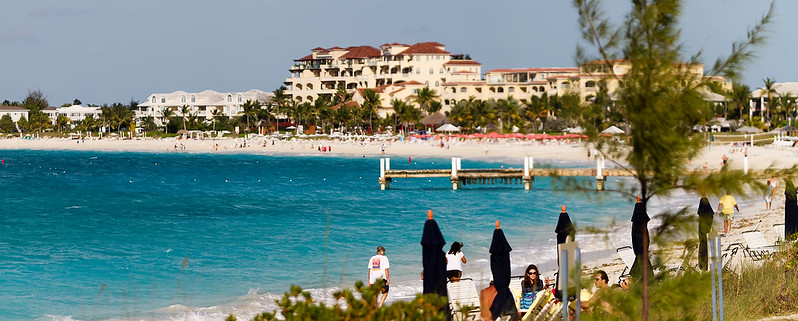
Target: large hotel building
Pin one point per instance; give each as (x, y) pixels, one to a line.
(398, 71)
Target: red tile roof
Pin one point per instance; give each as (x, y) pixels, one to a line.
(305, 58)
(457, 83)
(425, 47)
(462, 62)
(464, 72)
(564, 69)
(350, 103)
(361, 52)
(317, 49)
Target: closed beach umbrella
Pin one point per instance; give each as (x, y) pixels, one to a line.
(639, 238)
(564, 229)
(433, 258)
(504, 302)
(705, 213)
(790, 210)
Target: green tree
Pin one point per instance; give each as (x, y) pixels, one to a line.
(7, 124)
(76, 102)
(148, 123)
(166, 114)
(62, 123)
(661, 99)
(184, 112)
(425, 98)
(739, 98)
(769, 90)
(371, 101)
(22, 124)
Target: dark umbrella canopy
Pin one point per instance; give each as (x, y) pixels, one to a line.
(705, 213)
(790, 210)
(639, 238)
(433, 258)
(564, 226)
(500, 269)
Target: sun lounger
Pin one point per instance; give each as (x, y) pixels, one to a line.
(779, 229)
(755, 246)
(627, 255)
(463, 294)
(541, 299)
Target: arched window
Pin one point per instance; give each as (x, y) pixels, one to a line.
(193, 99)
(441, 71)
(229, 98)
(240, 99)
(183, 99)
(431, 70)
(437, 83)
(163, 100)
(590, 84)
(501, 89)
(511, 89)
(153, 99)
(463, 89)
(426, 83)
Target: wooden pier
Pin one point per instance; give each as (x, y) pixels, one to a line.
(459, 177)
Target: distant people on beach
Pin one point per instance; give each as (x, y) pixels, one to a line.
(726, 206)
(454, 262)
(378, 272)
(768, 197)
(530, 286)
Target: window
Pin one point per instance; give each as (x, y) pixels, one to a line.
(418, 71)
(431, 70)
(511, 89)
(153, 99)
(240, 99)
(183, 99)
(193, 99)
(229, 98)
(590, 84)
(437, 83)
(501, 89)
(426, 83)
(163, 100)
(463, 89)
(441, 70)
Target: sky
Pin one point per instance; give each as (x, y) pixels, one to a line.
(101, 51)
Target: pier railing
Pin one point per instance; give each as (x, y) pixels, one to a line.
(459, 177)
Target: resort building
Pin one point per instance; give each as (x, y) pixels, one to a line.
(75, 113)
(203, 104)
(321, 73)
(520, 84)
(759, 97)
(15, 112)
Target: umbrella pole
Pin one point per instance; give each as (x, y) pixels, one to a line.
(564, 278)
(578, 267)
(712, 276)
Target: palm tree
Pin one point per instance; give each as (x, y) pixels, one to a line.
(769, 90)
(215, 113)
(398, 109)
(184, 111)
(341, 96)
(371, 100)
(166, 113)
(424, 99)
(740, 96)
(250, 108)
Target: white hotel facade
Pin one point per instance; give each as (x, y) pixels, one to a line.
(202, 103)
(398, 71)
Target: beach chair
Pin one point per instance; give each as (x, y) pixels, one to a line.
(541, 299)
(515, 288)
(779, 229)
(463, 294)
(627, 255)
(755, 246)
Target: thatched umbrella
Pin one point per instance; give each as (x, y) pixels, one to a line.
(433, 258)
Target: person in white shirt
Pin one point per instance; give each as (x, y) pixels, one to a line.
(378, 270)
(454, 260)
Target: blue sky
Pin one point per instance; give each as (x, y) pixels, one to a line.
(103, 51)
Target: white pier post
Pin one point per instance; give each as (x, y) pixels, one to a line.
(745, 163)
(600, 179)
(382, 174)
(752, 140)
(454, 180)
(528, 166)
(387, 164)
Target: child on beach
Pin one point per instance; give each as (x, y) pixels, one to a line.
(727, 205)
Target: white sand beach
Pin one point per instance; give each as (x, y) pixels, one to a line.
(759, 158)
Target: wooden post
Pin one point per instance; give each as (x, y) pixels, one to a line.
(385, 164)
(455, 181)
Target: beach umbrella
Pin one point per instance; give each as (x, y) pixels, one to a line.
(705, 213)
(613, 130)
(433, 258)
(639, 238)
(790, 210)
(504, 302)
(564, 229)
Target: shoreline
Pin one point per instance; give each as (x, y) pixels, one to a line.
(751, 206)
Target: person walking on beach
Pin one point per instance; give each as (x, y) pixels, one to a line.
(768, 197)
(378, 270)
(454, 262)
(727, 205)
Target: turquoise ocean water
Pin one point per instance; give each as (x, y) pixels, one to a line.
(179, 236)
